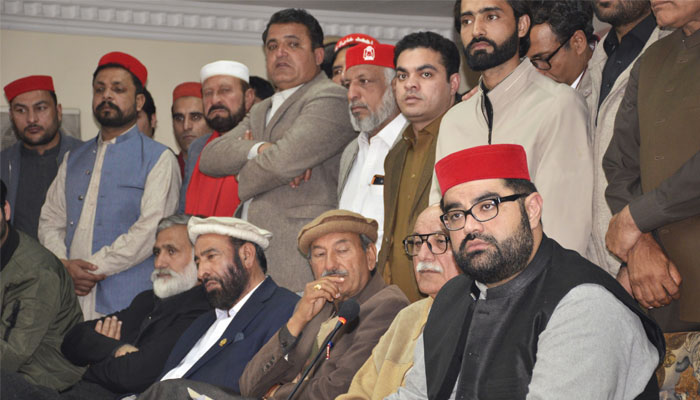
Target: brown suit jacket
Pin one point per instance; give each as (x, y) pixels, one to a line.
(309, 130)
(393, 167)
(352, 346)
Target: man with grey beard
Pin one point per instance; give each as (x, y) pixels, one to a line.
(373, 112)
(126, 351)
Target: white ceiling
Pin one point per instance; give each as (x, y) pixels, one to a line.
(430, 8)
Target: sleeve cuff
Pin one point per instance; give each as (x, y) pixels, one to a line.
(253, 152)
(287, 341)
(646, 213)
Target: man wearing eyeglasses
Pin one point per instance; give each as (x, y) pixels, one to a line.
(529, 319)
(516, 104)
(433, 263)
(562, 39)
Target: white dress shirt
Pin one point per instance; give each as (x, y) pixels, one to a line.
(277, 100)
(210, 337)
(359, 194)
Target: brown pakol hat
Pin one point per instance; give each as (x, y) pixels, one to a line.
(336, 221)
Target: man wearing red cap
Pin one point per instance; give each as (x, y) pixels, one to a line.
(227, 99)
(427, 78)
(30, 165)
(529, 319)
(301, 130)
(188, 118)
(341, 47)
(374, 113)
(103, 208)
(516, 104)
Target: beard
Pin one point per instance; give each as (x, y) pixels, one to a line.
(226, 123)
(504, 260)
(119, 118)
(49, 133)
(480, 60)
(386, 109)
(176, 282)
(622, 13)
(232, 285)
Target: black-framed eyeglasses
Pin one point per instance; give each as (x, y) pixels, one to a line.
(437, 243)
(543, 63)
(482, 211)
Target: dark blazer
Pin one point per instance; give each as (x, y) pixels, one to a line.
(150, 324)
(267, 309)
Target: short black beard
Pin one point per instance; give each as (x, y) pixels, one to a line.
(46, 138)
(232, 286)
(481, 60)
(118, 120)
(225, 124)
(624, 13)
(505, 260)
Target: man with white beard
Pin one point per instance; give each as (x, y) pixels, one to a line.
(126, 351)
(374, 113)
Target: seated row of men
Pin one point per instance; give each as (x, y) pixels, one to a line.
(527, 318)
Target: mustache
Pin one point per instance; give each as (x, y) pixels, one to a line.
(218, 107)
(32, 126)
(428, 266)
(107, 104)
(473, 236)
(335, 272)
(481, 39)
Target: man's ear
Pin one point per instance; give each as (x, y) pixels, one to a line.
(6, 209)
(523, 25)
(319, 54)
(455, 79)
(247, 254)
(140, 101)
(533, 207)
(371, 254)
(249, 99)
(59, 114)
(578, 42)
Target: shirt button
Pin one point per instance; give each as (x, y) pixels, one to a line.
(81, 197)
(87, 172)
(71, 223)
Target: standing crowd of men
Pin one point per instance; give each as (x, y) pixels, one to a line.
(278, 254)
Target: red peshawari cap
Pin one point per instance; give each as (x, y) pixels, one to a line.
(495, 161)
(373, 54)
(27, 84)
(129, 63)
(187, 89)
(354, 38)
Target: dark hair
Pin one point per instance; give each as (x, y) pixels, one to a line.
(149, 107)
(263, 89)
(433, 41)
(259, 253)
(520, 186)
(328, 59)
(298, 16)
(520, 8)
(565, 17)
(139, 86)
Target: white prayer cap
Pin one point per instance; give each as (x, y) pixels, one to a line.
(224, 67)
(228, 226)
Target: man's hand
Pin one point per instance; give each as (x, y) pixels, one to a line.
(301, 178)
(83, 279)
(622, 233)
(653, 278)
(110, 327)
(470, 93)
(316, 294)
(623, 278)
(124, 350)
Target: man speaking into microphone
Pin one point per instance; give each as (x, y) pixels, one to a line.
(339, 245)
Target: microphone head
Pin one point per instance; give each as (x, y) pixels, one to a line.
(348, 310)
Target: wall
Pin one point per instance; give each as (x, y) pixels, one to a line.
(71, 60)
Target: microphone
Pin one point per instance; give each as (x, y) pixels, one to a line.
(347, 313)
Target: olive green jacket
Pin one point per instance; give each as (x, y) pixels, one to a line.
(38, 307)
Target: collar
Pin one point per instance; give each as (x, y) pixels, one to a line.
(389, 133)
(430, 130)
(374, 285)
(8, 248)
(507, 90)
(578, 80)
(280, 97)
(692, 40)
(641, 33)
(230, 313)
(52, 152)
(134, 130)
(533, 269)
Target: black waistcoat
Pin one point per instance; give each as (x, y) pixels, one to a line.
(494, 343)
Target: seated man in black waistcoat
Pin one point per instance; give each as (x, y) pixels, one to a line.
(529, 319)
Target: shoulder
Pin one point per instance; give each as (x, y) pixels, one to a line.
(35, 259)
(414, 311)
(321, 86)
(198, 144)
(390, 298)
(10, 151)
(70, 141)
(459, 110)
